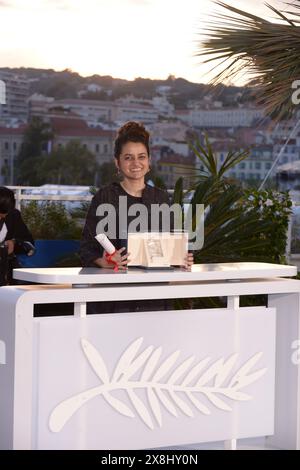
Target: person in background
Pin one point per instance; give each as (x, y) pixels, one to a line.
(15, 238)
(132, 160)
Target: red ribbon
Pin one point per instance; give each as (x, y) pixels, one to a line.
(111, 261)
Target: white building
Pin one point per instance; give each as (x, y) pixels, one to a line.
(254, 167)
(92, 112)
(227, 117)
(162, 105)
(96, 111)
(17, 93)
(39, 104)
(168, 130)
(172, 135)
(130, 108)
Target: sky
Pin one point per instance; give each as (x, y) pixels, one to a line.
(121, 38)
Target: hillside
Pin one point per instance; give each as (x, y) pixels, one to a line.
(69, 84)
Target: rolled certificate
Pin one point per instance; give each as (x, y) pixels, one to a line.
(105, 243)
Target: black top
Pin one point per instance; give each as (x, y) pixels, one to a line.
(90, 249)
(13, 227)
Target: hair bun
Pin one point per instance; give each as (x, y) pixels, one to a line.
(132, 128)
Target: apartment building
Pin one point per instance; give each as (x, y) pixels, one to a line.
(224, 117)
(11, 140)
(95, 112)
(16, 102)
(254, 167)
(92, 112)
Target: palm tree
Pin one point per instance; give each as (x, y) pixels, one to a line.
(231, 231)
(269, 51)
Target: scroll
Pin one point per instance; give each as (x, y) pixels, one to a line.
(109, 249)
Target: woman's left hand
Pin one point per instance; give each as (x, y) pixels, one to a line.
(188, 261)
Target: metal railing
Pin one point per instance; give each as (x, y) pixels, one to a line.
(23, 196)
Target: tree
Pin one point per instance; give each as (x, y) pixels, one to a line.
(269, 50)
(72, 164)
(107, 173)
(36, 138)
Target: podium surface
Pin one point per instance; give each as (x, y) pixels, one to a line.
(199, 272)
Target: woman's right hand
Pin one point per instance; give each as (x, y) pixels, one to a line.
(120, 259)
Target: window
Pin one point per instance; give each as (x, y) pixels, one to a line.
(6, 145)
(257, 165)
(268, 165)
(15, 145)
(242, 165)
(97, 148)
(105, 148)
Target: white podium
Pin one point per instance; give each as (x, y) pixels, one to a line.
(150, 379)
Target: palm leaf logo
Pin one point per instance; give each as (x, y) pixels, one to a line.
(186, 379)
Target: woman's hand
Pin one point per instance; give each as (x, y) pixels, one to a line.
(188, 261)
(10, 246)
(120, 259)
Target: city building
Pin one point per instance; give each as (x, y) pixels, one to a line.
(224, 117)
(71, 128)
(93, 112)
(11, 140)
(172, 166)
(254, 168)
(16, 103)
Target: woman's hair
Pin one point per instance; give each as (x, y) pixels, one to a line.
(131, 132)
(7, 200)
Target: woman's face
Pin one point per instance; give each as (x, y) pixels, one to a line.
(134, 161)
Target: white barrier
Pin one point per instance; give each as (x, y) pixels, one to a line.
(150, 379)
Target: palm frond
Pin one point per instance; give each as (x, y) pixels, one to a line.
(269, 51)
(178, 192)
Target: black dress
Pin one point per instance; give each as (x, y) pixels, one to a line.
(90, 249)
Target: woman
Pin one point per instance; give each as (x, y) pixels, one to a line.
(132, 160)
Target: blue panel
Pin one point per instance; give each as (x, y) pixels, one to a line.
(48, 252)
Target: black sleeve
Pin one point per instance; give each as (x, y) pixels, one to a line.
(16, 227)
(164, 198)
(90, 249)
